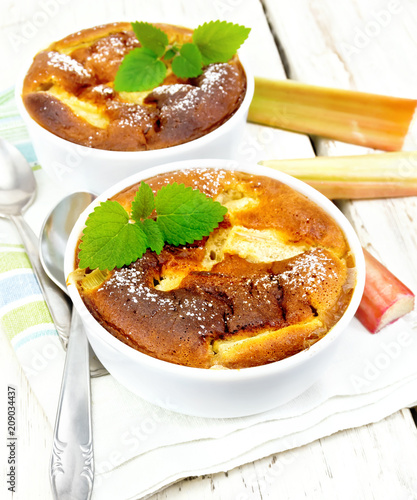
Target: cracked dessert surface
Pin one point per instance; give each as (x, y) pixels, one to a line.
(270, 281)
(69, 90)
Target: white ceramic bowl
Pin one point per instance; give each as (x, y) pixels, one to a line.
(216, 393)
(79, 168)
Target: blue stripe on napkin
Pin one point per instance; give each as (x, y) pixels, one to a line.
(16, 287)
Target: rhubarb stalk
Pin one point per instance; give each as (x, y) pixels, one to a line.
(385, 298)
(385, 175)
(370, 120)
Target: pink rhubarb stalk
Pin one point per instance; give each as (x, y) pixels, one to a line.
(378, 175)
(385, 297)
(371, 120)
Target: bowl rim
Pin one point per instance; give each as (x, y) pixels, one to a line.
(163, 154)
(100, 333)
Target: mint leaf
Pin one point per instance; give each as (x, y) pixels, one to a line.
(151, 37)
(218, 41)
(170, 53)
(144, 202)
(154, 236)
(140, 70)
(185, 215)
(189, 62)
(109, 239)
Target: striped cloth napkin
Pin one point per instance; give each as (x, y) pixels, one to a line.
(372, 376)
(24, 315)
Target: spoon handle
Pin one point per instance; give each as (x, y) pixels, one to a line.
(57, 301)
(72, 460)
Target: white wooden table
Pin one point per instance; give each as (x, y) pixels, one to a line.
(368, 45)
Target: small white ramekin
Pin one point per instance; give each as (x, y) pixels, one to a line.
(217, 393)
(80, 168)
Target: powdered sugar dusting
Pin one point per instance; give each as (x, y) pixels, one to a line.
(207, 180)
(210, 88)
(134, 288)
(103, 90)
(214, 76)
(67, 64)
(309, 272)
(130, 115)
(178, 97)
(171, 89)
(112, 46)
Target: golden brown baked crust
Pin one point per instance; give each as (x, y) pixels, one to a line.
(69, 91)
(229, 300)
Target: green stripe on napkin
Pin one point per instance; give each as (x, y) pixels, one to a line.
(23, 317)
(13, 260)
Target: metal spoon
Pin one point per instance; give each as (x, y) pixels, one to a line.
(17, 192)
(72, 463)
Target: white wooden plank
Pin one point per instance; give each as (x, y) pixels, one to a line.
(353, 44)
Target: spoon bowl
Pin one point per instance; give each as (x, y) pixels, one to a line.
(55, 232)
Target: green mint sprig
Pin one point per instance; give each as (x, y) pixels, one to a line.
(145, 67)
(113, 238)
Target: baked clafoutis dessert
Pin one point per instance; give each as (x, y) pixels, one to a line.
(69, 90)
(271, 280)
